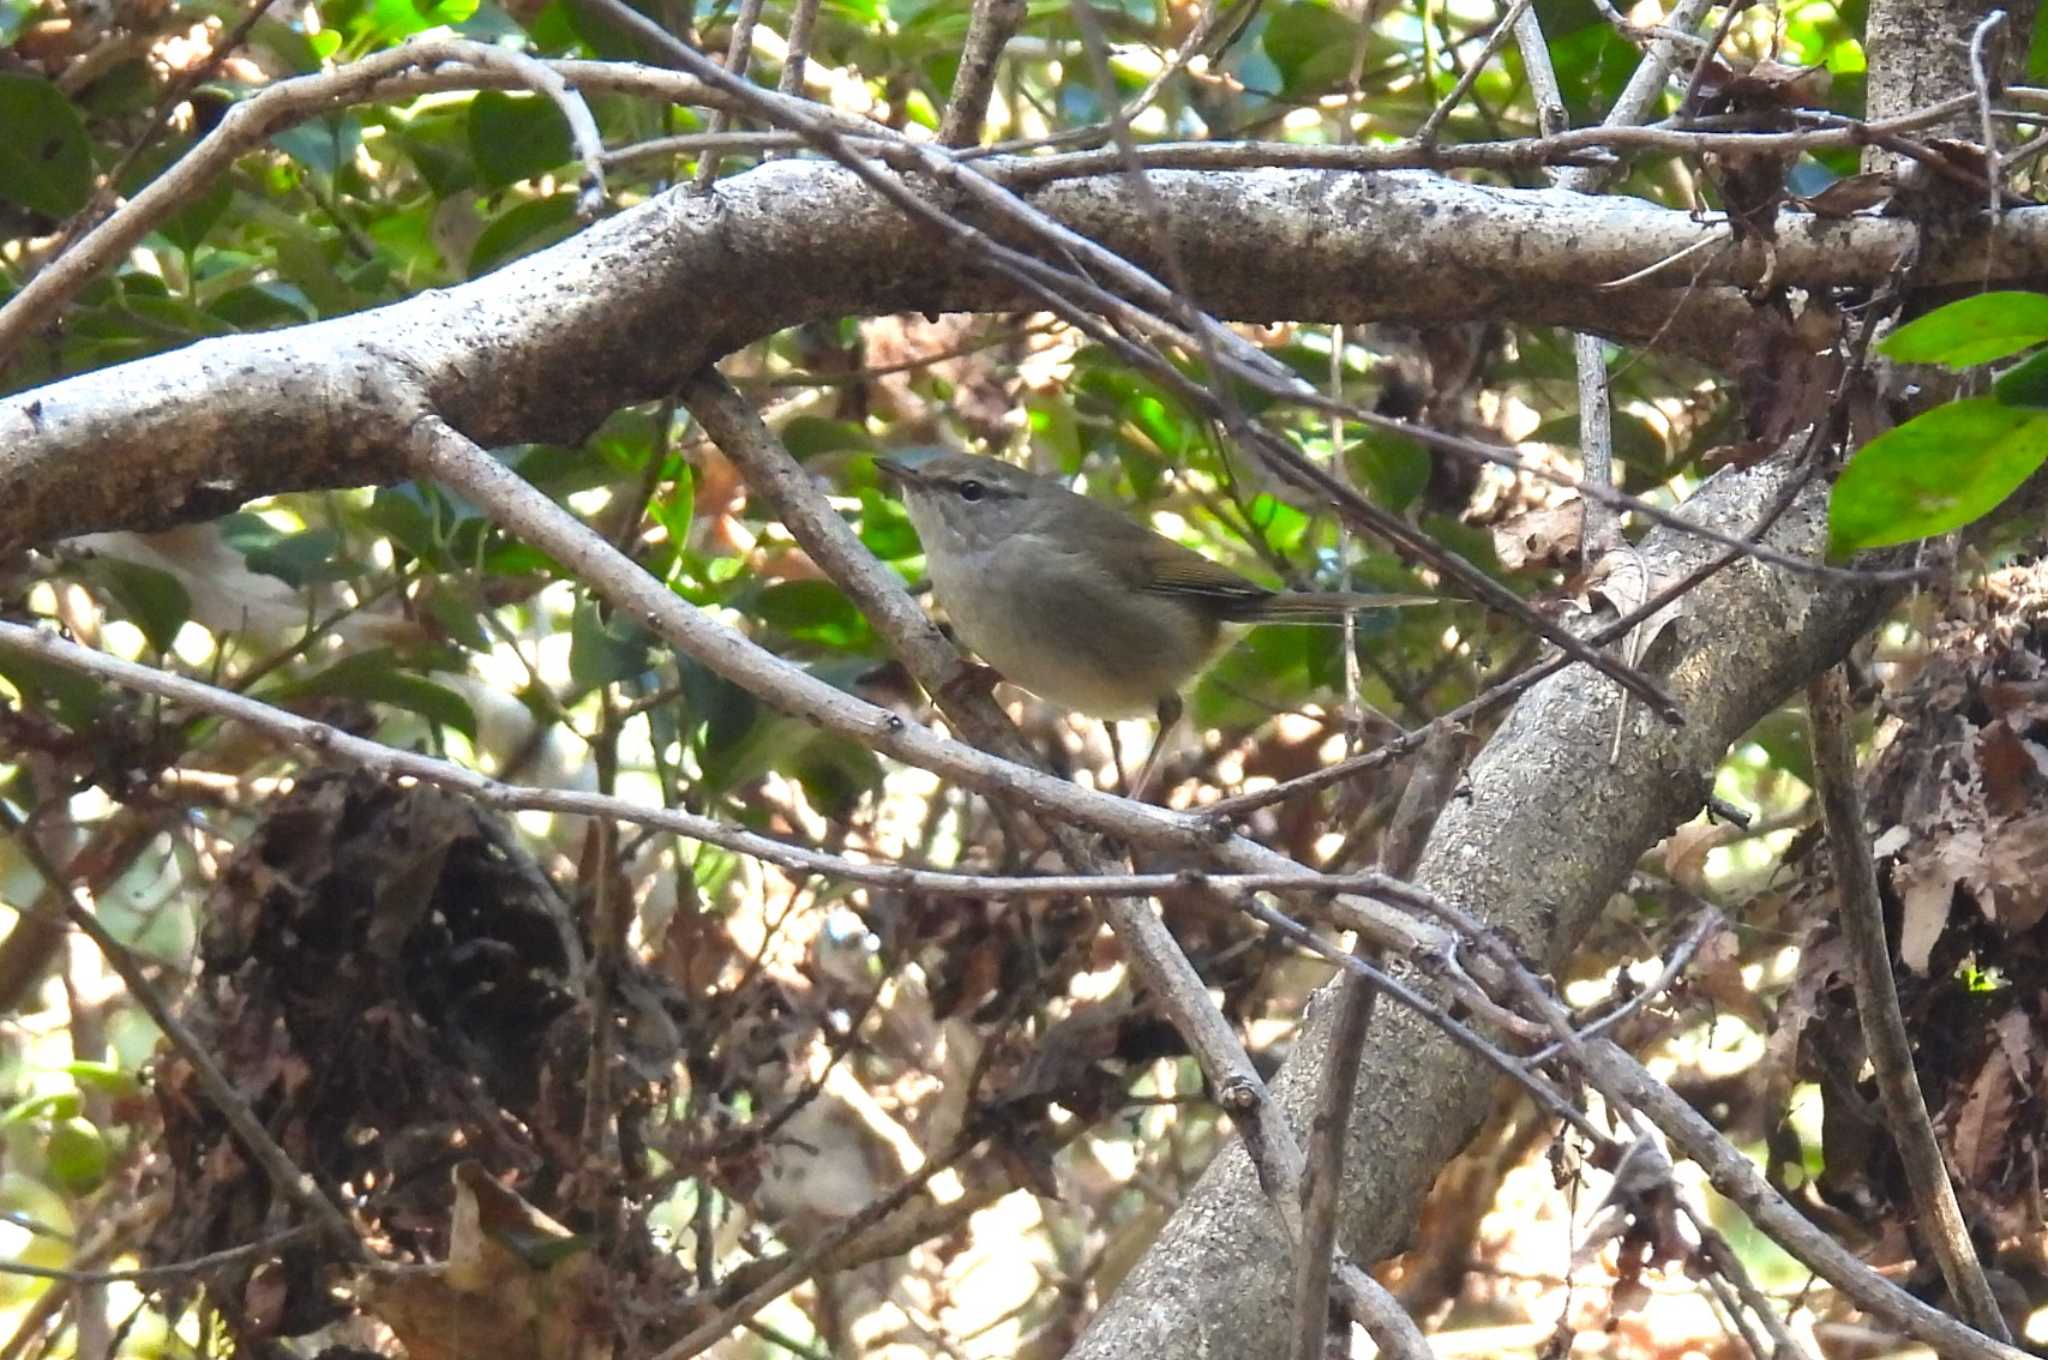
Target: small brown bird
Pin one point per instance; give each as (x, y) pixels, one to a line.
(1078, 604)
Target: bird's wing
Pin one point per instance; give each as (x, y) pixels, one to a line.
(1175, 570)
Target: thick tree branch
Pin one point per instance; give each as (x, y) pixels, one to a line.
(1551, 828)
(546, 347)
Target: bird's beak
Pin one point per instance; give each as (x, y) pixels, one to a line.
(899, 473)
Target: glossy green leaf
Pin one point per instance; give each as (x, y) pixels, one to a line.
(885, 528)
(815, 611)
(301, 559)
(2026, 384)
(601, 652)
(106, 1078)
(47, 1105)
(322, 145)
(1310, 43)
(673, 505)
(78, 1155)
(154, 601)
(1971, 331)
(45, 159)
(377, 676)
(516, 136)
(526, 228)
(187, 227)
(1937, 472)
(809, 436)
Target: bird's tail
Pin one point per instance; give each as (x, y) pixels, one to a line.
(1310, 605)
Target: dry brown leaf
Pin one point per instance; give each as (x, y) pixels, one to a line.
(1984, 1123)
(1685, 851)
(1546, 535)
(1926, 883)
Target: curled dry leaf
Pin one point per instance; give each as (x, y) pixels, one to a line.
(1546, 535)
(1626, 581)
(1685, 851)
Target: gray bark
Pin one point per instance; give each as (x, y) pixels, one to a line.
(547, 346)
(1549, 832)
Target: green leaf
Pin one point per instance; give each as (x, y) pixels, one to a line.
(625, 441)
(307, 261)
(264, 304)
(301, 559)
(410, 515)
(1310, 44)
(322, 145)
(672, 509)
(526, 228)
(49, 1105)
(187, 227)
(45, 159)
(155, 601)
(600, 653)
(885, 528)
(835, 773)
(459, 612)
(815, 611)
(809, 436)
(78, 1156)
(375, 676)
(2025, 384)
(1395, 467)
(1267, 671)
(1971, 331)
(77, 700)
(516, 136)
(247, 532)
(107, 1078)
(1937, 472)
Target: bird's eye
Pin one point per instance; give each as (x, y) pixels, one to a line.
(971, 490)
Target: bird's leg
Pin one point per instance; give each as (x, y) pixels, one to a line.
(1170, 709)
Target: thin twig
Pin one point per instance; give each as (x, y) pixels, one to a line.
(547, 81)
(1470, 712)
(990, 26)
(1623, 1079)
(285, 1177)
(1983, 79)
(1705, 59)
(170, 1271)
(250, 124)
(1154, 956)
(1432, 126)
(801, 1265)
(739, 54)
(1877, 1005)
(797, 49)
(1705, 926)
